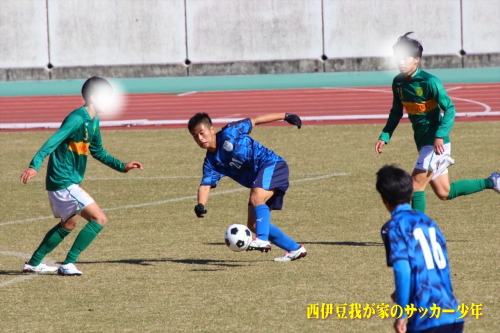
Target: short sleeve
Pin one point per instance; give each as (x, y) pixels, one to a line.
(394, 242)
(238, 128)
(210, 176)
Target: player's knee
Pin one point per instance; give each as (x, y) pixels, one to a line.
(442, 197)
(101, 219)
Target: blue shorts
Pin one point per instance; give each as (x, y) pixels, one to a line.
(447, 328)
(274, 177)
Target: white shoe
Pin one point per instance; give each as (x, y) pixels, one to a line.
(260, 245)
(68, 269)
(495, 178)
(293, 255)
(41, 268)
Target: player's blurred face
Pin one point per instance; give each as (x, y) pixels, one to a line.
(102, 100)
(406, 64)
(205, 136)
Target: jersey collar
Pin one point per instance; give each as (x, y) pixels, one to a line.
(401, 208)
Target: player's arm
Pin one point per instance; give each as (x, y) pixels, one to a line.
(445, 104)
(402, 278)
(67, 127)
(209, 180)
(392, 122)
(270, 117)
(97, 151)
(203, 193)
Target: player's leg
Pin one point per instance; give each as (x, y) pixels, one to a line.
(251, 217)
(446, 191)
(420, 179)
(64, 206)
(430, 166)
(85, 205)
(96, 221)
(258, 198)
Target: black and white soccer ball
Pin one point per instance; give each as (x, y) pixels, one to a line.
(238, 237)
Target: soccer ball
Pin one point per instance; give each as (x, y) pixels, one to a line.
(238, 237)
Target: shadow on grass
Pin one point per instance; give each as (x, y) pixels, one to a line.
(18, 272)
(325, 243)
(149, 262)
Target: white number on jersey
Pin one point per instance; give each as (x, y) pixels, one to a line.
(437, 251)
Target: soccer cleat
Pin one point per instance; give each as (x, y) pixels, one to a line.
(293, 255)
(69, 270)
(260, 245)
(41, 268)
(495, 178)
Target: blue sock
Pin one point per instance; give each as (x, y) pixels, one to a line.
(263, 221)
(278, 237)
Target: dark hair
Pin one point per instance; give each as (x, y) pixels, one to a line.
(197, 119)
(406, 46)
(394, 185)
(93, 85)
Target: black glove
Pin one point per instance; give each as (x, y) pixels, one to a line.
(199, 209)
(293, 119)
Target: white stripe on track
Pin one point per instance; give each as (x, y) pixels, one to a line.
(154, 203)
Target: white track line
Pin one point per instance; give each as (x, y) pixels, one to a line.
(154, 203)
(26, 276)
(187, 93)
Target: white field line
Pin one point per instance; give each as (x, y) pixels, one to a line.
(26, 276)
(154, 203)
(41, 179)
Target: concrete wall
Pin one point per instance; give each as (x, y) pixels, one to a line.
(147, 38)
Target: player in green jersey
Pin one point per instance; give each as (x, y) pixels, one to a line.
(69, 147)
(423, 96)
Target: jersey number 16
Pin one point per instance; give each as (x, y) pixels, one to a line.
(436, 255)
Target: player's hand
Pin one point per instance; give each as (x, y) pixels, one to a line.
(200, 210)
(28, 174)
(439, 146)
(293, 119)
(378, 146)
(133, 165)
(400, 325)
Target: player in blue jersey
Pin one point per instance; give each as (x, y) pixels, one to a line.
(416, 250)
(233, 153)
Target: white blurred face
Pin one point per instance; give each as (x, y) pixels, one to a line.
(102, 100)
(406, 64)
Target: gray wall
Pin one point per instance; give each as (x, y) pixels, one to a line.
(60, 39)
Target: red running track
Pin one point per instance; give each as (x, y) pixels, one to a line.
(357, 104)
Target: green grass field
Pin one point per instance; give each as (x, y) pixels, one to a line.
(158, 268)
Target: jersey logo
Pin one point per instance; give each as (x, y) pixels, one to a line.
(419, 108)
(228, 146)
(399, 83)
(419, 91)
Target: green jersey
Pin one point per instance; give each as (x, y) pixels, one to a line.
(69, 148)
(423, 97)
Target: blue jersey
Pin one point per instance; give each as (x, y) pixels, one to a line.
(413, 236)
(238, 156)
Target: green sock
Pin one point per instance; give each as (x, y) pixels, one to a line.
(53, 238)
(468, 186)
(418, 201)
(84, 238)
